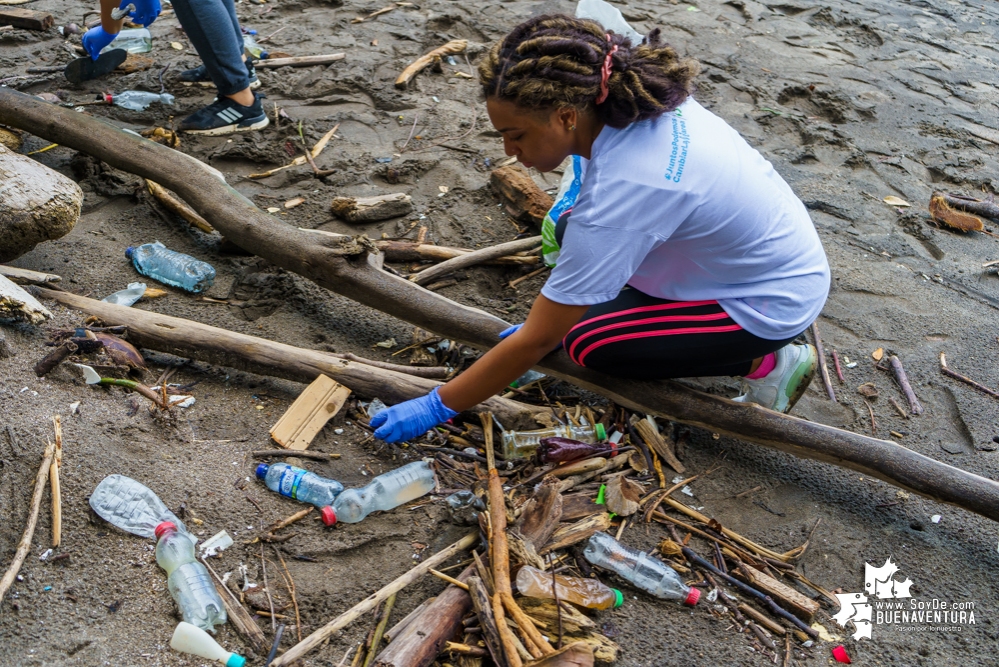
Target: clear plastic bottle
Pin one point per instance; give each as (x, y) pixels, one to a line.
(173, 268)
(589, 593)
(252, 49)
(131, 506)
(385, 492)
(651, 575)
(189, 582)
(133, 40)
(137, 100)
(303, 486)
(519, 444)
(527, 378)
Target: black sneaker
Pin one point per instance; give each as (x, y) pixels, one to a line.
(200, 75)
(224, 116)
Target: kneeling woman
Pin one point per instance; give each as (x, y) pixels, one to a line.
(685, 253)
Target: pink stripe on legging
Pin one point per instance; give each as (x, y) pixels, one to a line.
(650, 320)
(643, 309)
(647, 334)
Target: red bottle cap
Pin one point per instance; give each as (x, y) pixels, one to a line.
(693, 596)
(840, 654)
(164, 527)
(328, 515)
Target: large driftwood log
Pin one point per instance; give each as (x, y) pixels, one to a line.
(342, 267)
(36, 204)
(259, 355)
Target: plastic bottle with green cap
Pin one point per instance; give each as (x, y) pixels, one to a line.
(191, 639)
(520, 444)
(588, 593)
(645, 572)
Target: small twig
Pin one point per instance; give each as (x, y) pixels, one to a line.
(162, 72)
(290, 584)
(376, 639)
(29, 530)
(558, 605)
(283, 523)
(264, 39)
(874, 426)
(277, 641)
(54, 481)
(411, 132)
(903, 382)
(270, 600)
(901, 410)
(303, 453)
(957, 376)
(308, 156)
(451, 580)
(536, 272)
(839, 369)
(823, 367)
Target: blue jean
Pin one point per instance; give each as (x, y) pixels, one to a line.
(213, 28)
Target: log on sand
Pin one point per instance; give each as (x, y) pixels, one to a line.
(342, 266)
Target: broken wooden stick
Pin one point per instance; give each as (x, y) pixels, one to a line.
(823, 367)
(177, 206)
(965, 379)
(653, 439)
(27, 276)
(237, 613)
(408, 251)
(54, 481)
(428, 275)
(522, 199)
(433, 372)
(487, 621)
(332, 264)
(17, 304)
(343, 620)
(300, 160)
(304, 454)
(299, 61)
(903, 382)
(356, 210)
(29, 530)
(258, 355)
(451, 48)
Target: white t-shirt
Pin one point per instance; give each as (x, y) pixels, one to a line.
(682, 208)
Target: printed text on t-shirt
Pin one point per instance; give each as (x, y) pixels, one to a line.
(678, 152)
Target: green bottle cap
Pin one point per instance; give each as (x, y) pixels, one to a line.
(600, 495)
(600, 431)
(618, 598)
(235, 661)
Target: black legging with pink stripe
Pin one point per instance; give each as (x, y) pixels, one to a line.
(639, 336)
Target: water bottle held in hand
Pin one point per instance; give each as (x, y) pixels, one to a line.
(302, 485)
(650, 574)
(173, 268)
(133, 40)
(131, 506)
(189, 582)
(385, 492)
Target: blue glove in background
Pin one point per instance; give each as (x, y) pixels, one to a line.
(510, 330)
(412, 418)
(145, 12)
(95, 39)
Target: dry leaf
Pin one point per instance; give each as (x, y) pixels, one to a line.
(878, 354)
(955, 219)
(292, 203)
(622, 496)
(177, 45)
(670, 548)
(637, 462)
(892, 200)
(868, 390)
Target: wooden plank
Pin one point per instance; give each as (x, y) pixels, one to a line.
(801, 606)
(577, 532)
(26, 18)
(578, 506)
(309, 413)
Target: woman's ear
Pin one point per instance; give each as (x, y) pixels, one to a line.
(566, 118)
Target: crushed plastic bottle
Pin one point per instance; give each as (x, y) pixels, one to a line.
(131, 506)
(519, 444)
(252, 49)
(302, 485)
(189, 582)
(385, 492)
(588, 593)
(464, 507)
(133, 40)
(527, 378)
(128, 296)
(191, 639)
(649, 574)
(173, 268)
(563, 450)
(137, 100)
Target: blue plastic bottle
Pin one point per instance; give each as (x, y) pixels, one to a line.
(302, 485)
(173, 268)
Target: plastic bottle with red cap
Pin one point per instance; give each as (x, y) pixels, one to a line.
(384, 492)
(588, 593)
(302, 485)
(649, 574)
(188, 581)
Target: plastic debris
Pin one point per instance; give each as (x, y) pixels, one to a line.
(127, 296)
(218, 542)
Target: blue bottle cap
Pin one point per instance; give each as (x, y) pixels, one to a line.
(262, 470)
(235, 661)
(128, 252)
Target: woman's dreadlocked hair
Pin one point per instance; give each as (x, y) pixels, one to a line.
(556, 60)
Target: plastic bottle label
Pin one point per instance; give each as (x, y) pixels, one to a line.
(290, 478)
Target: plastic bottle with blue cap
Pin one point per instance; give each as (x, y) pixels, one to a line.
(302, 485)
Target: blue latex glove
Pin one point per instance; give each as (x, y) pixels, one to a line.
(412, 418)
(145, 12)
(95, 39)
(510, 330)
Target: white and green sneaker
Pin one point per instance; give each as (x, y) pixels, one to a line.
(781, 388)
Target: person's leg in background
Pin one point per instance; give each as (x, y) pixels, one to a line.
(642, 337)
(214, 31)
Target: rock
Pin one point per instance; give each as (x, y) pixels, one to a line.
(36, 204)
